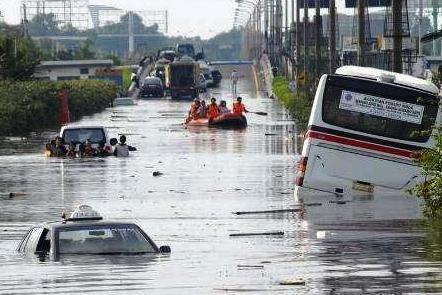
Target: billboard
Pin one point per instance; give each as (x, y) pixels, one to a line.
(370, 3)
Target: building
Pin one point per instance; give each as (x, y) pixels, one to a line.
(71, 69)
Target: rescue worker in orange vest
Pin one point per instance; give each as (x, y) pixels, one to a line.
(212, 109)
(193, 112)
(238, 107)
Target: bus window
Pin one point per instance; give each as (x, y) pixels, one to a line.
(389, 110)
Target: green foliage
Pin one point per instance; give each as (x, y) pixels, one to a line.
(431, 189)
(298, 104)
(18, 58)
(122, 26)
(127, 73)
(86, 51)
(116, 59)
(34, 105)
(43, 25)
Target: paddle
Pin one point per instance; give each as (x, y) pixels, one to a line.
(259, 113)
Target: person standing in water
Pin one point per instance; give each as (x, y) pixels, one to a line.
(234, 77)
(122, 149)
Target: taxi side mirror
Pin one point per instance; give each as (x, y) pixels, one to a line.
(165, 249)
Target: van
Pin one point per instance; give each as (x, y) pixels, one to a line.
(79, 134)
(365, 129)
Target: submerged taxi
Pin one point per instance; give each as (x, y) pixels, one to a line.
(85, 232)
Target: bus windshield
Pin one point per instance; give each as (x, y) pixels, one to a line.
(381, 109)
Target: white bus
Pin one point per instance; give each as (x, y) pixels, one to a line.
(365, 128)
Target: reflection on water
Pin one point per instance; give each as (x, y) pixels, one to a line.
(368, 245)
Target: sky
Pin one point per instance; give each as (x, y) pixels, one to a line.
(204, 18)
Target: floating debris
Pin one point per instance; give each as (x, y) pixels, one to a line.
(249, 266)
(339, 202)
(295, 282)
(18, 194)
(268, 211)
(271, 233)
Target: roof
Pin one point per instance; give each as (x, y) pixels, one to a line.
(61, 224)
(76, 63)
(67, 127)
(400, 79)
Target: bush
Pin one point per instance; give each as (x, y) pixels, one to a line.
(34, 105)
(431, 189)
(299, 104)
(127, 73)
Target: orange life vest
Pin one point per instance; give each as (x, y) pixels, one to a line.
(194, 112)
(212, 111)
(238, 108)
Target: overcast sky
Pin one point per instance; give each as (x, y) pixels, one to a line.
(205, 18)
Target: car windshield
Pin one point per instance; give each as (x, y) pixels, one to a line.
(95, 135)
(151, 81)
(103, 239)
(379, 108)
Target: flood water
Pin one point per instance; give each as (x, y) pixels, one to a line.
(365, 246)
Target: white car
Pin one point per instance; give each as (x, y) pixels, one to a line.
(79, 134)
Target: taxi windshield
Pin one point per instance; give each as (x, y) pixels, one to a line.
(103, 239)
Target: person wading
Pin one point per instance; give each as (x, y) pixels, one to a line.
(234, 77)
(122, 149)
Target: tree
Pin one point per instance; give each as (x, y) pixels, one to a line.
(64, 55)
(114, 58)
(18, 58)
(86, 51)
(431, 189)
(44, 25)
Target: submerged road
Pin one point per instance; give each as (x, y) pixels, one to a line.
(362, 246)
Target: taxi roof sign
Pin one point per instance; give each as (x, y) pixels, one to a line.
(85, 212)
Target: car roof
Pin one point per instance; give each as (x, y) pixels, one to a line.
(70, 224)
(83, 127)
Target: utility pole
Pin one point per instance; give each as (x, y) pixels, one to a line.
(298, 38)
(266, 25)
(292, 39)
(421, 8)
(397, 35)
(317, 38)
(272, 31)
(361, 32)
(278, 32)
(286, 37)
(131, 33)
(306, 57)
(435, 23)
(332, 13)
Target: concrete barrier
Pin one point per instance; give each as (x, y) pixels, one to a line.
(266, 69)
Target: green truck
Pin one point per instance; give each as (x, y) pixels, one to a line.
(182, 78)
